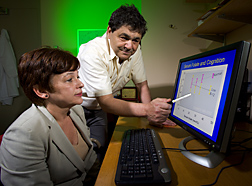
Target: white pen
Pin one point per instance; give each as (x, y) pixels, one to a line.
(183, 97)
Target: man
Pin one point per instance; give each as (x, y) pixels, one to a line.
(107, 64)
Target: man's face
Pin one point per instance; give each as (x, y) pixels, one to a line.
(124, 42)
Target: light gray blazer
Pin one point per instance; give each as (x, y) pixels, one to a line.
(35, 150)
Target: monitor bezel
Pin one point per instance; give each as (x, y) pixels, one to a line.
(226, 125)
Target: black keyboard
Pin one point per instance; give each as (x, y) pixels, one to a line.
(141, 159)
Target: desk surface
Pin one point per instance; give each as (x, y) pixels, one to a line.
(184, 171)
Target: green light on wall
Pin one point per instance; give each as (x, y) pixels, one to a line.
(85, 35)
(61, 20)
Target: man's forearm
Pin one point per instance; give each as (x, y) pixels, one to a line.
(122, 108)
(156, 111)
(145, 95)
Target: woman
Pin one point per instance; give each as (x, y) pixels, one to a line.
(49, 143)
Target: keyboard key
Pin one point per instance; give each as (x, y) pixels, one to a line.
(139, 161)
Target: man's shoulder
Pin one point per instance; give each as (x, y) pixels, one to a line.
(97, 44)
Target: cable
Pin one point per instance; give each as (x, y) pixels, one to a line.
(243, 141)
(234, 144)
(244, 131)
(240, 144)
(226, 168)
(178, 149)
(223, 168)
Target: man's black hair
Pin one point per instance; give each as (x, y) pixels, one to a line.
(128, 16)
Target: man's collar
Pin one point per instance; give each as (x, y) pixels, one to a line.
(110, 50)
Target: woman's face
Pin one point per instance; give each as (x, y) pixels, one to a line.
(67, 89)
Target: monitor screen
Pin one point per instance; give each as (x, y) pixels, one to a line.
(214, 79)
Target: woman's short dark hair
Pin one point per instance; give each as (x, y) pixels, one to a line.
(38, 66)
(128, 16)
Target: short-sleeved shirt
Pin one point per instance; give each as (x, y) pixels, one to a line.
(101, 72)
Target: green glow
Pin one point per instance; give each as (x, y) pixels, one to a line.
(85, 35)
(60, 19)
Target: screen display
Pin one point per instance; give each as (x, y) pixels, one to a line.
(207, 78)
(213, 81)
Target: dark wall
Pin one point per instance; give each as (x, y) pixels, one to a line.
(24, 28)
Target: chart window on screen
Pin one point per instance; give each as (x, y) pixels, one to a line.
(204, 79)
(214, 79)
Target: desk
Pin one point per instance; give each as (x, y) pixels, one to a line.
(184, 172)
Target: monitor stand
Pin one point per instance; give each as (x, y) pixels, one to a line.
(211, 160)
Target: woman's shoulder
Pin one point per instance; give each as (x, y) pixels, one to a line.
(30, 120)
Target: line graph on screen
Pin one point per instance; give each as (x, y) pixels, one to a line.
(206, 88)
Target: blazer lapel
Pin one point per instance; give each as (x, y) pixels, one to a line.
(81, 127)
(60, 140)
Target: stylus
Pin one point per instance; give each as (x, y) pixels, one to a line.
(183, 97)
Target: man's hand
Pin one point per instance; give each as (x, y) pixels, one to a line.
(158, 110)
(167, 123)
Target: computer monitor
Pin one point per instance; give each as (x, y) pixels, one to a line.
(214, 79)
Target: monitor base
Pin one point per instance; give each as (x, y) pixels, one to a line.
(211, 160)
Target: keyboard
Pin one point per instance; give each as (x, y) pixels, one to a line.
(141, 159)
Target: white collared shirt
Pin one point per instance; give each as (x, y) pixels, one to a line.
(101, 72)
